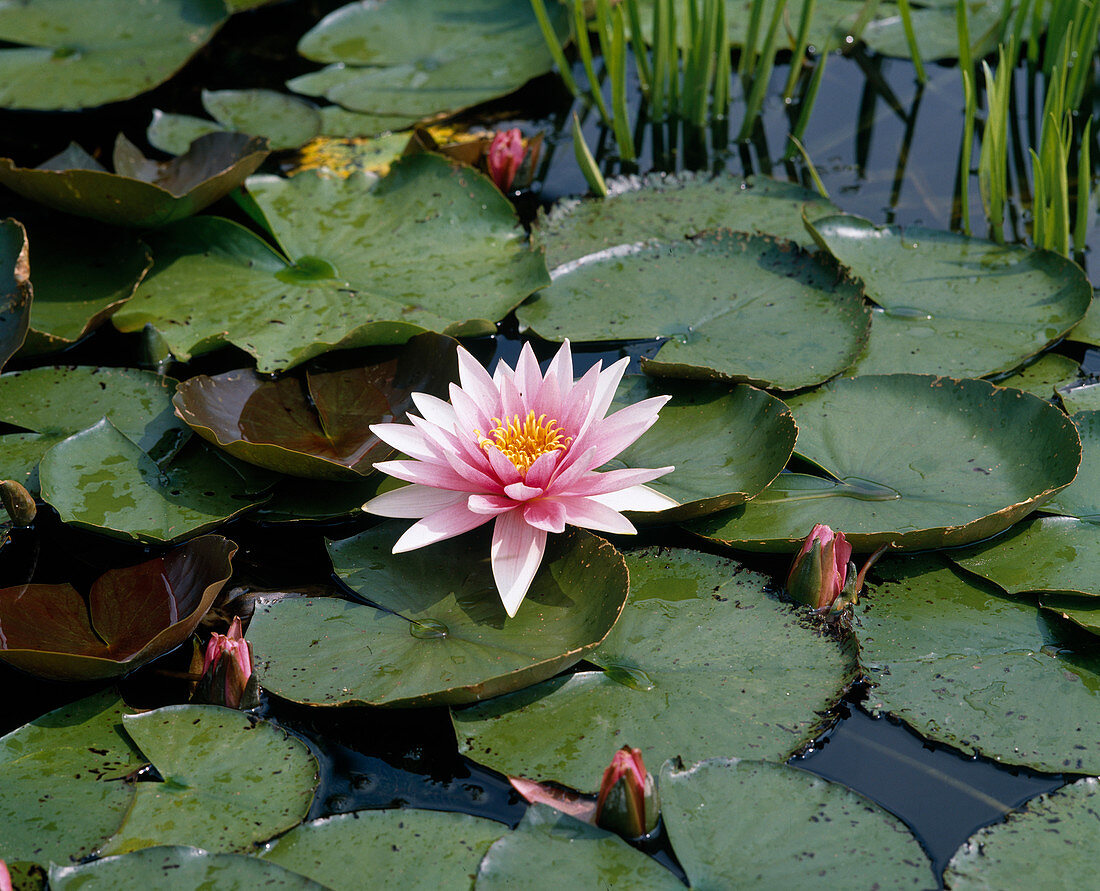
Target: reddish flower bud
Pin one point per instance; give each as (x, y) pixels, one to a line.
(505, 155)
(628, 802)
(820, 570)
(5, 877)
(227, 667)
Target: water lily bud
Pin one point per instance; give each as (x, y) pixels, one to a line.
(18, 502)
(5, 877)
(628, 802)
(227, 670)
(821, 569)
(505, 155)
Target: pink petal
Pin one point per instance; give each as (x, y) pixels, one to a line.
(516, 554)
(485, 481)
(624, 427)
(413, 501)
(434, 475)
(528, 376)
(546, 514)
(636, 498)
(556, 384)
(476, 381)
(511, 401)
(541, 471)
(612, 480)
(576, 402)
(469, 415)
(435, 410)
(444, 524)
(520, 492)
(590, 514)
(571, 468)
(405, 438)
(490, 505)
(503, 469)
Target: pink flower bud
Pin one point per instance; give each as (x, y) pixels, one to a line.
(820, 570)
(5, 877)
(505, 155)
(628, 802)
(231, 655)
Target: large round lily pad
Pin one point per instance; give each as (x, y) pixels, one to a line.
(320, 426)
(188, 868)
(734, 307)
(441, 635)
(419, 57)
(412, 849)
(428, 247)
(228, 781)
(977, 670)
(15, 289)
(702, 663)
(140, 192)
(82, 53)
(953, 305)
(99, 479)
(661, 207)
(548, 843)
(912, 460)
(1051, 842)
(788, 824)
(132, 615)
(62, 777)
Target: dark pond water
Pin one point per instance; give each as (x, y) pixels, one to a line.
(885, 149)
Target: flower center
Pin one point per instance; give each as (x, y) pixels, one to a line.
(524, 442)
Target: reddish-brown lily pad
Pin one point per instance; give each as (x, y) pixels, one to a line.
(132, 615)
(317, 426)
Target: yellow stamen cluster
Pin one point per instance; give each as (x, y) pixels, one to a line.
(524, 442)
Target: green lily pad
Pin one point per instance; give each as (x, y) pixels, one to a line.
(789, 825)
(912, 460)
(726, 443)
(410, 849)
(15, 289)
(337, 121)
(672, 684)
(1039, 378)
(1058, 555)
(82, 274)
(425, 56)
(82, 53)
(977, 670)
(83, 751)
(140, 192)
(1081, 498)
(441, 636)
(1088, 329)
(285, 121)
(293, 499)
(1049, 843)
(318, 427)
(99, 479)
(54, 403)
(428, 247)
(660, 207)
(953, 305)
(1079, 397)
(132, 615)
(734, 307)
(187, 867)
(577, 855)
(229, 781)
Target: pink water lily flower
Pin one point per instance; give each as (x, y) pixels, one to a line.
(520, 448)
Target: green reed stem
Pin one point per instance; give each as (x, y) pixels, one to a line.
(747, 60)
(808, 99)
(720, 105)
(637, 41)
(584, 48)
(762, 73)
(557, 51)
(589, 168)
(967, 149)
(1082, 210)
(818, 184)
(617, 63)
(800, 42)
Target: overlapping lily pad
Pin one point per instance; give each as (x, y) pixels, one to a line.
(420, 57)
(82, 53)
(1081, 498)
(441, 635)
(661, 207)
(978, 670)
(1041, 377)
(228, 781)
(54, 403)
(317, 427)
(285, 121)
(188, 868)
(726, 443)
(140, 192)
(788, 825)
(1050, 843)
(413, 849)
(15, 289)
(428, 247)
(84, 752)
(702, 663)
(575, 854)
(132, 615)
(734, 307)
(911, 460)
(953, 305)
